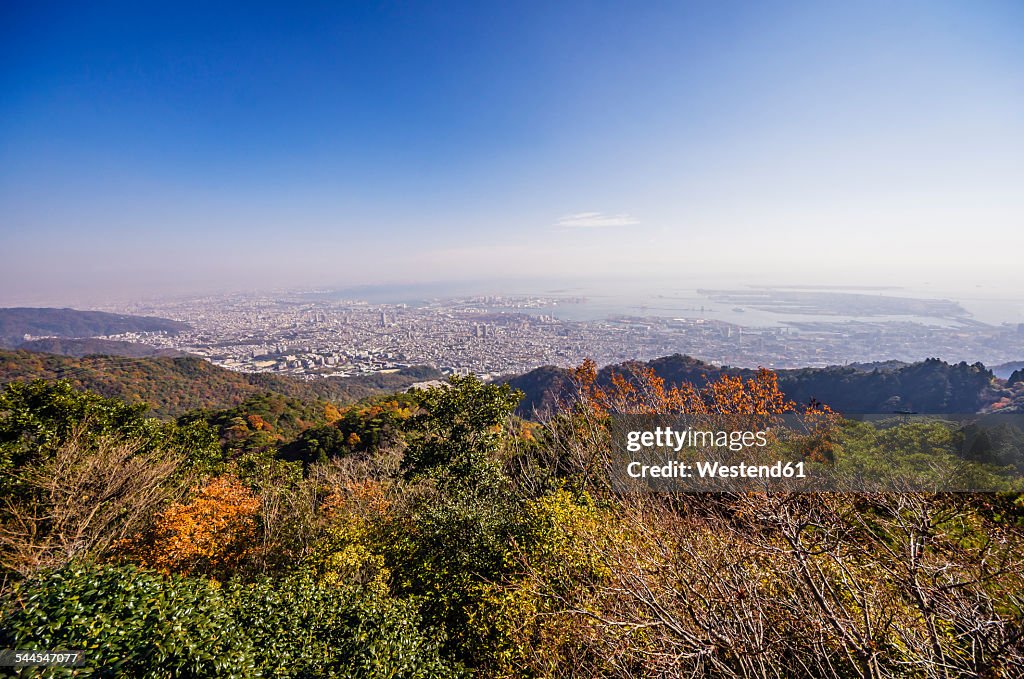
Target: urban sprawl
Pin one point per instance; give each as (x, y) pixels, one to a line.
(493, 336)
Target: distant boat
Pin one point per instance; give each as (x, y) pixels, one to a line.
(739, 309)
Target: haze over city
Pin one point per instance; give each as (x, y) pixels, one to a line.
(178, 150)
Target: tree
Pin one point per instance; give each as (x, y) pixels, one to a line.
(82, 499)
(459, 429)
(214, 533)
(79, 472)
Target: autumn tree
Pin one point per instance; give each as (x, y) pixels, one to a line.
(214, 533)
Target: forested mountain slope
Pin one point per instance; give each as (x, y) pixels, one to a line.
(930, 386)
(174, 385)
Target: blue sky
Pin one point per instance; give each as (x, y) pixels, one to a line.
(193, 146)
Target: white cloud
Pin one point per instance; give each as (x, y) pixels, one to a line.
(590, 220)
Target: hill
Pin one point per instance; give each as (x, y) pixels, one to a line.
(1006, 370)
(174, 385)
(930, 386)
(17, 322)
(878, 365)
(90, 346)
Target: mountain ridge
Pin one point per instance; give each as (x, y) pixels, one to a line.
(80, 347)
(17, 322)
(929, 386)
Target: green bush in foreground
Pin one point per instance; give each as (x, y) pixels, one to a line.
(139, 623)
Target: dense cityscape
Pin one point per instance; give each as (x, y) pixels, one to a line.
(490, 336)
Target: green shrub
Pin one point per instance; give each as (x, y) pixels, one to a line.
(39, 417)
(139, 623)
(130, 623)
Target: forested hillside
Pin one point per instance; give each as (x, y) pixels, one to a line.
(434, 534)
(174, 385)
(931, 386)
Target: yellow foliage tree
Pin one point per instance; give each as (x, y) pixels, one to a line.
(354, 515)
(332, 413)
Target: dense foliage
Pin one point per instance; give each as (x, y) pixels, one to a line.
(433, 534)
(133, 622)
(79, 472)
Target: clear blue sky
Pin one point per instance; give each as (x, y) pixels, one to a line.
(177, 146)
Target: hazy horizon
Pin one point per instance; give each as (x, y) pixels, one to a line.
(185, 149)
(591, 299)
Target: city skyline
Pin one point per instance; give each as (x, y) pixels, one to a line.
(157, 152)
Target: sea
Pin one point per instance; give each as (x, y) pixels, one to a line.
(601, 299)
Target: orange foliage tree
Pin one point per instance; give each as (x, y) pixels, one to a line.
(758, 400)
(642, 392)
(213, 534)
(257, 423)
